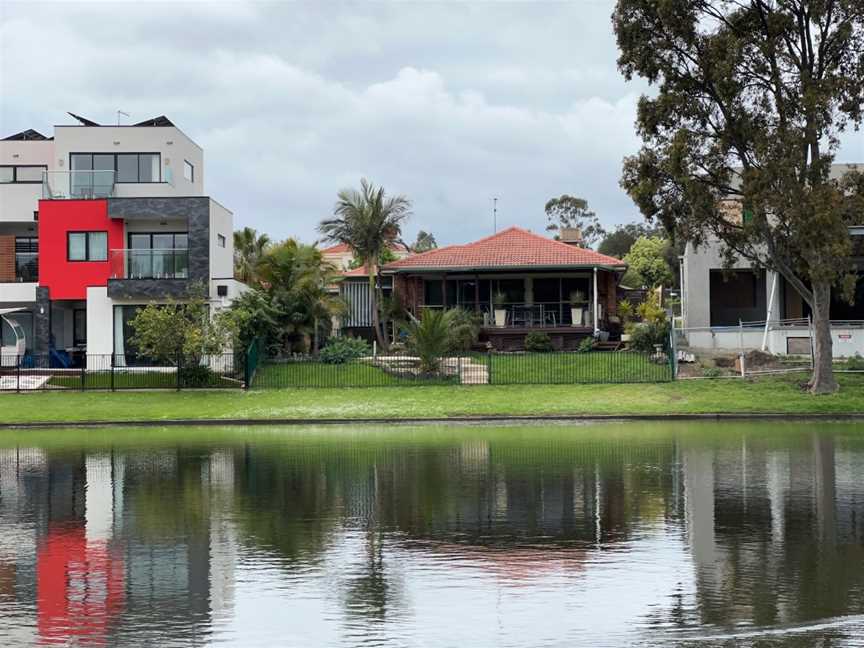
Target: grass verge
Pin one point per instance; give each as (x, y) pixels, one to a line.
(769, 394)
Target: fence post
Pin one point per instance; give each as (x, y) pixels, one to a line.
(489, 368)
(112, 372)
(179, 361)
(18, 375)
(83, 370)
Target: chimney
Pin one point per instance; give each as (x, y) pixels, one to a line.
(571, 236)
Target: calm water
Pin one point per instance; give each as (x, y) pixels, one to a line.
(600, 535)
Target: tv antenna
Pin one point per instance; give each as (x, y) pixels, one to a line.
(120, 112)
(494, 215)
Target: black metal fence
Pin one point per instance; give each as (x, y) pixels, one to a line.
(43, 372)
(394, 369)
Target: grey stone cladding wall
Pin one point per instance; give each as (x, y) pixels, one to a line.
(42, 321)
(196, 212)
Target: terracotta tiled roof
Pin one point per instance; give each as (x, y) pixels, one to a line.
(356, 272)
(339, 248)
(511, 248)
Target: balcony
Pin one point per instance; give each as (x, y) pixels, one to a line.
(149, 263)
(77, 185)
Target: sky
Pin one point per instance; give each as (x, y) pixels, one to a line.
(450, 104)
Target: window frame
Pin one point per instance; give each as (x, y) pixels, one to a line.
(86, 234)
(115, 155)
(15, 168)
(188, 165)
(221, 240)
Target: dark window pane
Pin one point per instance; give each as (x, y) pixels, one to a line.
(148, 167)
(139, 241)
(513, 289)
(432, 292)
(546, 290)
(163, 241)
(127, 168)
(181, 241)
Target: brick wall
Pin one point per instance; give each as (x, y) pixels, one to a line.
(7, 259)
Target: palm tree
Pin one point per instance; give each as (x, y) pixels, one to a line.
(431, 337)
(297, 278)
(368, 222)
(249, 247)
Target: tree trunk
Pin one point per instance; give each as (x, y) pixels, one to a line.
(823, 381)
(376, 320)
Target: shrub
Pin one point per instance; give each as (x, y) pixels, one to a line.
(625, 311)
(585, 345)
(538, 342)
(644, 336)
(343, 349)
(465, 328)
(196, 376)
(711, 372)
(855, 363)
(430, 338)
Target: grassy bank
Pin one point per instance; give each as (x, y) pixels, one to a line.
(774, 394)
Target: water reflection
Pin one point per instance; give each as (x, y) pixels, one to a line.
(602, 535)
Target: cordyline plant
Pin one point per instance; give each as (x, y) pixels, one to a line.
(739, 138)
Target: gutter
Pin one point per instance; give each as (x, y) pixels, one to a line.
(468, 269)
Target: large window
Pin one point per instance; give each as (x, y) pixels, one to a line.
(27, 259)
(188, 171)
(127, 167)
(158, 255)
(87, 246)
(21, 174)
(737, 296)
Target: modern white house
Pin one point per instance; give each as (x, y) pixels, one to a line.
(97, 221)
(751, 308)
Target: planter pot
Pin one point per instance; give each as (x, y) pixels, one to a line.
(576, 315)
(500, 316)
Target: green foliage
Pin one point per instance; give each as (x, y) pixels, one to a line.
(538, 341)
(298, 285)
(165, 332)
(625, 311)
(585, 345)
(572, 212)
(465, 328)
(855, 363)
(425, 242)
(652, 329)
(618, 242)
(256, 318)
(196, 376)
(340, 350)
(430, 337)
(712, 372)
(647, 260)
(369, 222)
(249, 247)
(499, 298)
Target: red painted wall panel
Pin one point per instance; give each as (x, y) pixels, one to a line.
(69, 279)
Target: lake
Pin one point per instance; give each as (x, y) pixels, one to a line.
(608, 534)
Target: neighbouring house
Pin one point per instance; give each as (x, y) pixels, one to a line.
(753, 308)
(354, 289)
(518, 282)
(96, 222)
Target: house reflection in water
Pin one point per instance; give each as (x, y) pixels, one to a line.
(108, 561)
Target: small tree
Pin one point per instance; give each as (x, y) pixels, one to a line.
(425, 242)
(431, 338)
(572, 212)
(618, 242)
(647, 260)
(182, 330)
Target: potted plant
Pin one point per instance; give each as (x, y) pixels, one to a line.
(499, 299)
(577, 307)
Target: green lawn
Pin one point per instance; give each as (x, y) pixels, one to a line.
(569, 368)
(130, 380)
(767, 394)
(280, 375)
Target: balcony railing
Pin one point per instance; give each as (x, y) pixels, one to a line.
(149, 264)
(77, 185)
(536, 315)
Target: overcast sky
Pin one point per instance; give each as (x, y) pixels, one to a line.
(450, 104)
